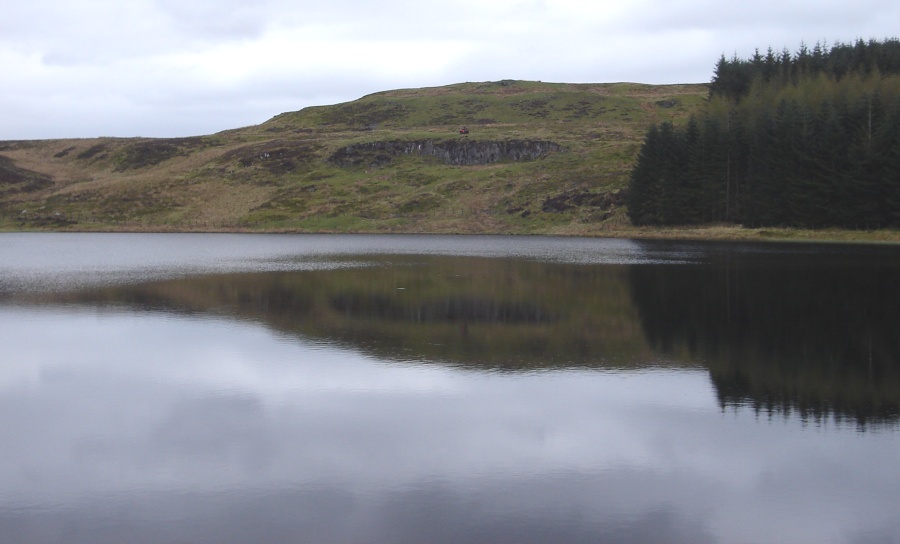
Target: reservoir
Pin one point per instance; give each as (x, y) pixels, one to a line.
(219, 388)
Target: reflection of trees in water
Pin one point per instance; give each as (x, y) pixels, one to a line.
(806, 333)
(799, 332)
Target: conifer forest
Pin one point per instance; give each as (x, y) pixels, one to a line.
(808, 139)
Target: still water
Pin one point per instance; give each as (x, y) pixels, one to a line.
(373, 389)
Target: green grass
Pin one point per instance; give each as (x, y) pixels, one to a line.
(279, 176)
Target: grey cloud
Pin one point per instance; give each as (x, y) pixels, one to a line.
(793, 17)
(224, 19)
(147, 56)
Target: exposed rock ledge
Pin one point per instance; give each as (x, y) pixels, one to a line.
(460, 152)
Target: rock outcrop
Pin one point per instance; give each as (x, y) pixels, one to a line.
(463, 152)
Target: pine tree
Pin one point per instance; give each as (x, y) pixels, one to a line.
(641, 188)
(811, 139)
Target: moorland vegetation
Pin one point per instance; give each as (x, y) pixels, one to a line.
(539, 158)
(779, 146)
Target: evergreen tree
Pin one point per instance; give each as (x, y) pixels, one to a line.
(811, 139)
(641, 188)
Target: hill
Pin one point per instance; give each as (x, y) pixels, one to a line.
(538, 158)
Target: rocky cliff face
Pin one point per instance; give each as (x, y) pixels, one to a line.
(463, 152)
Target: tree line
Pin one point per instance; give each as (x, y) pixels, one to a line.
(810, 139)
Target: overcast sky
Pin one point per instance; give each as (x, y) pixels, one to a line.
(85, 68)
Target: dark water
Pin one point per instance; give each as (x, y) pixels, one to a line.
(219, 388)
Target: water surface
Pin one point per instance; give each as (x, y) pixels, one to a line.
(229, 388)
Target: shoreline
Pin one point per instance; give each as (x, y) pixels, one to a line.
(700, 233)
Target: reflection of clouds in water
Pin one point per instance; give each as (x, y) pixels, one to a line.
(432, 512)
(161, 348)
(261, 430)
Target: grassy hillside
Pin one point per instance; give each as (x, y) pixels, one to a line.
(539, 158)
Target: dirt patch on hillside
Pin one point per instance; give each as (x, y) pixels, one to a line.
(20, 180)
(153, 152)
(576, 199)
(277, 156)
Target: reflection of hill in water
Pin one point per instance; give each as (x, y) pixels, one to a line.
(795, 333)
(489, 313)
(805, 333)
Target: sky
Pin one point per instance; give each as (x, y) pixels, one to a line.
(167, 68)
